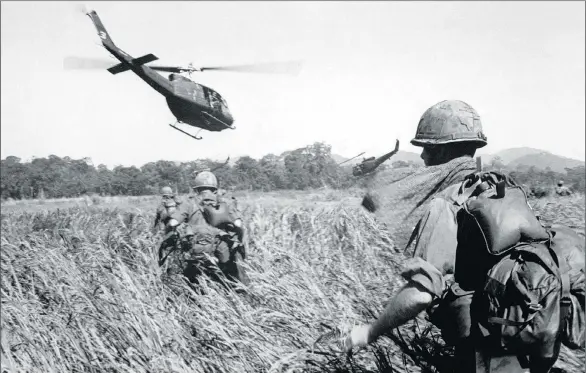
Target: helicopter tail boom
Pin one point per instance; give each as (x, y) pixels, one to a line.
(107, 42)
(102, 33)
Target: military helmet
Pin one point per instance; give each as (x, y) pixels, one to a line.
(449, 122)
(560, 183)
(166, 191)
(205, 179)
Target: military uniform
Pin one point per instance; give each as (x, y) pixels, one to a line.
(433, 264)
(169, 204)
(563, 191)
(165, 209)
(432, 269)
(209, 247)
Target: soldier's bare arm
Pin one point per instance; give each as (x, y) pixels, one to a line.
(434, 256)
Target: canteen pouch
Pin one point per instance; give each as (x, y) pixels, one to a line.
(452, 314)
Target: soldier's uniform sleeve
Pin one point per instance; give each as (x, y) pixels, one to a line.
(435, 251)
(183, 212)
(159, 214)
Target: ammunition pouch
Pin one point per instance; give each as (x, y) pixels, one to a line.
(452, 314)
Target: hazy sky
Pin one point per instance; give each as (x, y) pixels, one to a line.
(371, 70)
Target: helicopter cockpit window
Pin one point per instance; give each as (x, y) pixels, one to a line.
(214, 99)
(219, 99)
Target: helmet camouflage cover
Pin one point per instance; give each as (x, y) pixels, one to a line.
(449, 122)
(166, 191)
(205, 179)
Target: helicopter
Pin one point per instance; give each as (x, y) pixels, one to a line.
(368, 165)
(191, 103)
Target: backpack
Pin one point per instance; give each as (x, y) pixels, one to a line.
(510, 287)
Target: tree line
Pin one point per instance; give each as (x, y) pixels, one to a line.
(310, 167)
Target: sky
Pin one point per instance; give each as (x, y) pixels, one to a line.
(370, 71)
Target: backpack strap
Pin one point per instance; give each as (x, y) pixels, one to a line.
(566, 302)
(467, 189)
(478, 182)
(565, 274)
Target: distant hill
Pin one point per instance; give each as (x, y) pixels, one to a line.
(537, 158)
(509, 155)
(544, 160)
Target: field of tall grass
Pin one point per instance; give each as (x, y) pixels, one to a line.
(82, 291)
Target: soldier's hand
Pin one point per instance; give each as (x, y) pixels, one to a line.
(359, 337)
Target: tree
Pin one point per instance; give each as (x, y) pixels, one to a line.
(497, 163)
(249, 173)
(14, 180)
(128, 181)
(104, 180)
(297, 175)
(400, 164)
(274, 169)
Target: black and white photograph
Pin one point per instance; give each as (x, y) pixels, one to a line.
(293, 186)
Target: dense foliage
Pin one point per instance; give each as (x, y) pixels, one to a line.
(310, 167)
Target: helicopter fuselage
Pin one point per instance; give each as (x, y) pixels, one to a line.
(190, 102)
(198, 105)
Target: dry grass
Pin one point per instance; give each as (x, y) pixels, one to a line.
(81, 292)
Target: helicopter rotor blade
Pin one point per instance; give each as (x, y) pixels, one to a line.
(81, 8)
(285, 67)
(79, 63)
(348, 160)
(171, 69)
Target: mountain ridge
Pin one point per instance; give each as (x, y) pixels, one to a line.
(511, 157)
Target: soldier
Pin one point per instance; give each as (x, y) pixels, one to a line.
(216, 232)
(562, 190)
(169, 204)
(447, 131)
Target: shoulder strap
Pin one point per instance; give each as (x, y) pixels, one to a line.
(565, 278)
(467, 188)
(478, 182)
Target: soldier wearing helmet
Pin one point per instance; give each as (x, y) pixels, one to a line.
(448, 130)
(205, 187)
(449, 133)
(216, 229)
(562, 190)
(169, 204)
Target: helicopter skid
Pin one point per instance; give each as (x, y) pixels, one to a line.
(209, 116)
(185, 132)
